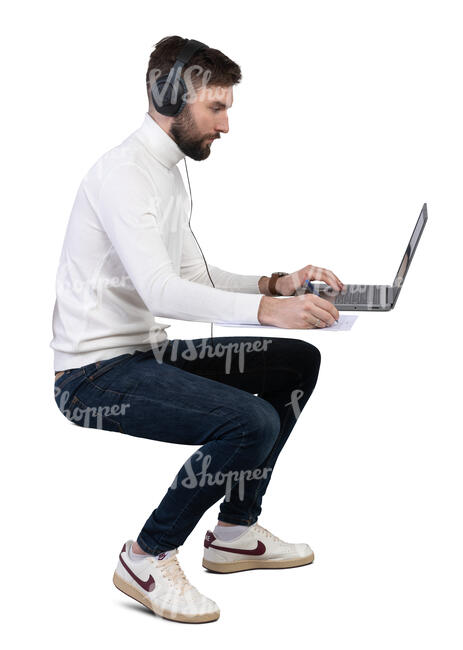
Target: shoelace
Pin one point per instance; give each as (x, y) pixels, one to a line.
(266, 532)
(173, 572)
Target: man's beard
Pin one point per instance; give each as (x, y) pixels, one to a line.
(185, 133)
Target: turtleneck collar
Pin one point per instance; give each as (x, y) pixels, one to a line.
(161, 145)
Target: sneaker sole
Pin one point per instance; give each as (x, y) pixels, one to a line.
(129, 590)
(246, 565)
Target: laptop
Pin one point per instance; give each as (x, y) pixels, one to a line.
(366, 297)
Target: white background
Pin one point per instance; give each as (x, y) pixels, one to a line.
(347, 119)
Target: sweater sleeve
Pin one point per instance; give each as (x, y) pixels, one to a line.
(127, 211)
(193, 268)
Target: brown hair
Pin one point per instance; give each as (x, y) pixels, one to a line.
(222, 71)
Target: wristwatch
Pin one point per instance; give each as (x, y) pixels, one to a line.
(272, 282)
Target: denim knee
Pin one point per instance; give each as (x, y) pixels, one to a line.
(308, 355)
(262, 425)
(315, 354)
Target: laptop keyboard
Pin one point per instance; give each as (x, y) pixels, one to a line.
(358, 296)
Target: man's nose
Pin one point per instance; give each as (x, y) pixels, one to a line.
(222, 125)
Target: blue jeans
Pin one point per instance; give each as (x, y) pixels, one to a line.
(238, 397)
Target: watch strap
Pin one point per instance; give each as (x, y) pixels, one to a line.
(272, 282)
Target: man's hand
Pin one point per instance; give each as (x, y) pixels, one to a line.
(287, 284)
(307, 311)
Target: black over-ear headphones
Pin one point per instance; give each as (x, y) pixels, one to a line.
(169, 91)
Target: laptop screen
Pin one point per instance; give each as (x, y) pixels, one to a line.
(407, 258)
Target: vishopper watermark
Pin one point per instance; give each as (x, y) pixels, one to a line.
(296, 395)
(82, 416)
(195, 350)
(231, 478)
(77, 286)
(194, 88)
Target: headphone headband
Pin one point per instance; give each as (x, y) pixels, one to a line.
(190, 48)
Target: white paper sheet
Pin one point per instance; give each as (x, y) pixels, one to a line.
(344, 324)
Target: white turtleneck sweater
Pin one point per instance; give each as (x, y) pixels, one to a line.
(129, 256)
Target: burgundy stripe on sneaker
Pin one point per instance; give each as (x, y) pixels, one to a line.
(147, 585)
(210, 538)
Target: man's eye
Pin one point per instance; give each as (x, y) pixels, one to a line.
(215, 109)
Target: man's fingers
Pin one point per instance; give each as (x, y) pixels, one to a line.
(330, 278)
(341, 284)
(325, 305)
(326, 317)
(323, 275)
(316, 322)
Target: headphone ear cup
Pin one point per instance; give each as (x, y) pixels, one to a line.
(181, 95)
(158, 93)
(164, 94)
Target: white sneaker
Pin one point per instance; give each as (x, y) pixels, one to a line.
(162, 586)
(256, 548)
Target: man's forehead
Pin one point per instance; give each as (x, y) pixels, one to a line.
(222, 95)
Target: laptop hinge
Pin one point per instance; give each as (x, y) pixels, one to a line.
(390, 295)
